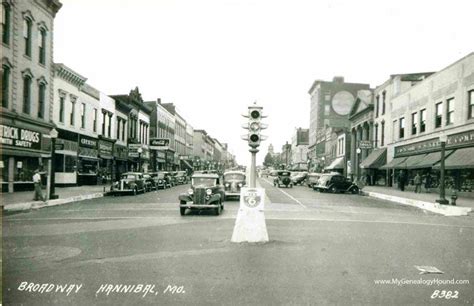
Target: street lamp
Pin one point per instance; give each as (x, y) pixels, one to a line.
(140, 151)
(323, 159)
(358, 151)
(442, 200)
(53, 134)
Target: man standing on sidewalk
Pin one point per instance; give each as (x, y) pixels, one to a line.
(417, 182)
(401, 180)
(37, 183)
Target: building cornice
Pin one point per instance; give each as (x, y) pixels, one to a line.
(69, 75)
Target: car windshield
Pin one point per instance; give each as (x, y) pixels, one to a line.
(128, 176)
(234, 177)
(203, 182)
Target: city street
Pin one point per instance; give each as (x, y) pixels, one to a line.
(323, 249)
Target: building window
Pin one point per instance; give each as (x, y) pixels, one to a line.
(414, 123)
(41, 100)
(72, 114)
(5, 85)
(61, 109)
(382, 134)
(401, 133)
(384, 95)
(376, 134)
(377, 98)
(6, 12)
(109, 128)
(438, 114)
(94, 124)
(83, 115)
(450, 111)
(470, 111)
(117, 135)
(26, 94)
(42, 46)
(103, 122)
(422, 120)
(123, 130)
(27, 35)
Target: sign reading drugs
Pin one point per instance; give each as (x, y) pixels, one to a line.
(19, 137)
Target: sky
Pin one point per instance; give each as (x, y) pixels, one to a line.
(214, 58)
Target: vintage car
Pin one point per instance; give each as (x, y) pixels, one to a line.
(181, 177)
(312, 179)
(160, 181)
(233, 181)
(130, 182)
(205, 193)
(335, 183)
(283, 178)
(299, 178)
(169, 178)
(150, 182)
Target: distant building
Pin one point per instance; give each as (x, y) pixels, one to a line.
(299, 149)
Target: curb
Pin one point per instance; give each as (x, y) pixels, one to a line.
(445, 210)
(39, 204)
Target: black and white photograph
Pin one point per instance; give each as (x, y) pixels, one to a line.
(237, 152)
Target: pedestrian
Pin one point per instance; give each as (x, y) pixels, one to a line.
(417, 182)
(401, 181)
(428, 182)
(37, 182)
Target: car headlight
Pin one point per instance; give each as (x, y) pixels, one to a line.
(240, 185)
(227, 184)
(208, 191)
(190, 191)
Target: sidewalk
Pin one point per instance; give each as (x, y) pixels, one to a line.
(23, 200)
(425, 200)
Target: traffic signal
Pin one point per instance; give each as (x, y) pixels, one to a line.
(255, 126)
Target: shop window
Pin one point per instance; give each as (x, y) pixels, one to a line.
(59, 162)
(26, 94)
(83, 115)
(5, 85)
(422, 120)
(70, 163)
(449, 111)
(42, 46)
(27, 35)
(414, 123)
(4, 167)
(61, 109)
(438, 114)
(6, 21)
(24, 168)
(470, 111)
(41, 100)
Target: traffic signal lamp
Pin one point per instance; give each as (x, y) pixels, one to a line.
(254, 126)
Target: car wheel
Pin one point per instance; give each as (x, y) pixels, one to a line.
(333, 189)
(182, 211)
(355, 190)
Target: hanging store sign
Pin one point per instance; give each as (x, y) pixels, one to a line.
(365, 144)
(159, 143)
(19, 137)
(105, 149)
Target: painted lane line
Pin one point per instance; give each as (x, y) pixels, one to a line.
(285, 193)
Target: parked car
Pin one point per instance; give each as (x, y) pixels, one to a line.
(312, 179)
(283, 178)
(233, 181)
(150, 183)
(335, 183)
(205, 193)
(169, 178)
(130, 182)
(299, 178)
(161, 182)
(181, 177)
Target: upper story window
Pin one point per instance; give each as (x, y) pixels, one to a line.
(401, 133)
(124, 122)
(72, 115)
(26, 94)
(109, 128)
(382, 133)
(470, 101)
(414, 123)
(377, 98)
(94, 123)
(27, 35)
(61, 108)
(118, 126)
(6, 23)
(376, 134)
(83, 115)
(42, 46)
(103, 122)
(6, 76)
(422, 120)
(449, 111)
(384, 95)
(41, 99)
(438, 114)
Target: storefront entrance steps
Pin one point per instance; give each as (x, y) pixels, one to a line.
(21, 201)
(426, 201)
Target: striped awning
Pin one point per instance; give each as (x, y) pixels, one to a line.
(375, 160)
(460, 159)
(394, 162)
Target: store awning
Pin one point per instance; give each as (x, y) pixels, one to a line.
(459, 159)
(187, 164)
(429, 160)
(338, 163)
(17, 152)
(411, 162)
(394, 162)
(375, 160)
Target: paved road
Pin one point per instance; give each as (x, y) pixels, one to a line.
(324, 249)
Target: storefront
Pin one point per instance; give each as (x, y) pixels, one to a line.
(65, 160)
(424, 158)
(120, 160)
(106, 167)
(372, 167)
(138, 157)
(88, 161)
(169, 160)
(24, 148)
(161, 159)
